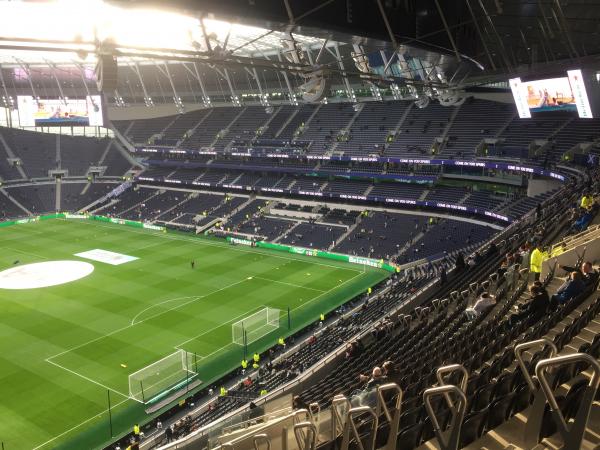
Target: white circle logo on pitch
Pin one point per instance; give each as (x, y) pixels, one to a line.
(44, 274)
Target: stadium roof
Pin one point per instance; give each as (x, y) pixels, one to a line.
(297, 49)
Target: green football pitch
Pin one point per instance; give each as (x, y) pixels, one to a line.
(64, 348)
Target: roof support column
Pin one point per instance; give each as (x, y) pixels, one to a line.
(205, 96)
(147, 99)
(60, 91)
(264, 99)
(8, 100)
(176, 97)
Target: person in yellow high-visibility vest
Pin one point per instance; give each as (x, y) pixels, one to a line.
(281, 342)
(369, 290)
(255, 365)
(244, 364)
(587, 201)
(535, 262)
(222, 391)
(322, 317)
(256, 357)
(136, 432)
(263, 392)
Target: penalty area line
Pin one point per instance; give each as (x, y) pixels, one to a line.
(87, 378)
(258, 308)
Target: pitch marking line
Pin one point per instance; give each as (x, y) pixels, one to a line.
(23, 252)
(287, 284)
(86, 378)
(256, 309)
(137, 323)
(214, 244)
(179, 346)
(77, 426)
(195, 297)
(128, 398)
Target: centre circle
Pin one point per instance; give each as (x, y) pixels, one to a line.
(44, 274)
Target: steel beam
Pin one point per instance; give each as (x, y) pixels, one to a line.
(176, 97)
(351, 95)
(147, 99)
(25, 67)
(450, 37)
(291, 94)
(7, 98)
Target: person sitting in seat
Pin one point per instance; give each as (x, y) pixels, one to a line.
(377, 378)
(485, 302)
(589, 275)
(534, 309)
(569, 289)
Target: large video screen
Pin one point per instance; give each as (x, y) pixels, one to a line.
(60, 112)
(552, 94)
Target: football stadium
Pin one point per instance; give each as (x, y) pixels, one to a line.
(299, 224)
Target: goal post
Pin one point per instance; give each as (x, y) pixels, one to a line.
(165, 374)
(255, 326)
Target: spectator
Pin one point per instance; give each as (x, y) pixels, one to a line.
(377, 378)
(485, 302)
(390, 372)
(582, 222)
(169, 434)
(569, 289)
(589, 275)
(536, 308)
(299, 403)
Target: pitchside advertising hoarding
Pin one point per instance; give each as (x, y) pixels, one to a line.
(565, 93)
(36, 112)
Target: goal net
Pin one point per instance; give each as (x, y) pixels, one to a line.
(255, 326)
(163, 375)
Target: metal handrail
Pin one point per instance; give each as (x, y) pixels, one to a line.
(520, 348)
(444, 370)
(573, 435)
(338, 420)
(351, 430)
(381, 403)
(261, 437)
(450, 440)
(393, 417)
(306, 440)
(535, 414)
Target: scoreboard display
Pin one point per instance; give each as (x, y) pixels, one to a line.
(566, 93)
(36, 112)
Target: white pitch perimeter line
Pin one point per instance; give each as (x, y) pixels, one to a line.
(213, 244)
(86, 378)
(288, 284)
(77, 426)
(137, 323)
